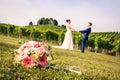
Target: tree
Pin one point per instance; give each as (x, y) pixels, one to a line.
(55, 22)
(30, 23)
(63, 26)
(51, 21)
(41, 21)
(45, 21)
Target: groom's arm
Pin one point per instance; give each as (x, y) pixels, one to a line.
(83, 31)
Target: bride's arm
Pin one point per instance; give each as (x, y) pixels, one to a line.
(72, 28)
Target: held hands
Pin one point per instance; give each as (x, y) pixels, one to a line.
(76, 30)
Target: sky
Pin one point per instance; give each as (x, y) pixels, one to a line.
(104, 14)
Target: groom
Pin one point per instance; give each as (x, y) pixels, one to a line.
(85, 33)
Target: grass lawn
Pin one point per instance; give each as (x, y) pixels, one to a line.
(94, 66)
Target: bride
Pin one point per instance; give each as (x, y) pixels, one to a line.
(68, 40)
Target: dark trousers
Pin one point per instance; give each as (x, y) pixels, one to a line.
(83, 45)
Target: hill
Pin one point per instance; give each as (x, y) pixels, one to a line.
(94, 66)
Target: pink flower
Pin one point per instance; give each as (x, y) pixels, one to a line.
(27, 45)
(41, 44)
(21, 48)
(42, 61)
(39, 51)
(23, 55)
(36, 45)
(27, 62)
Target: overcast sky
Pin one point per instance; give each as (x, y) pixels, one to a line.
(104, 14)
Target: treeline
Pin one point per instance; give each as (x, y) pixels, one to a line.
(108, 42)
(47, 21)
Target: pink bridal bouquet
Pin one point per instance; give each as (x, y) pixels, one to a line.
(32, 54)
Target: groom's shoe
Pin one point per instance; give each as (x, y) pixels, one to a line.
(82, 51)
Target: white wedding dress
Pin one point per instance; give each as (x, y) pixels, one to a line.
(68, 40)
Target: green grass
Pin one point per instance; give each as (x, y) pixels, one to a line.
(94, 66)
(99, 65)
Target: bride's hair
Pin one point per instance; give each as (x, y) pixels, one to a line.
(68, 20)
